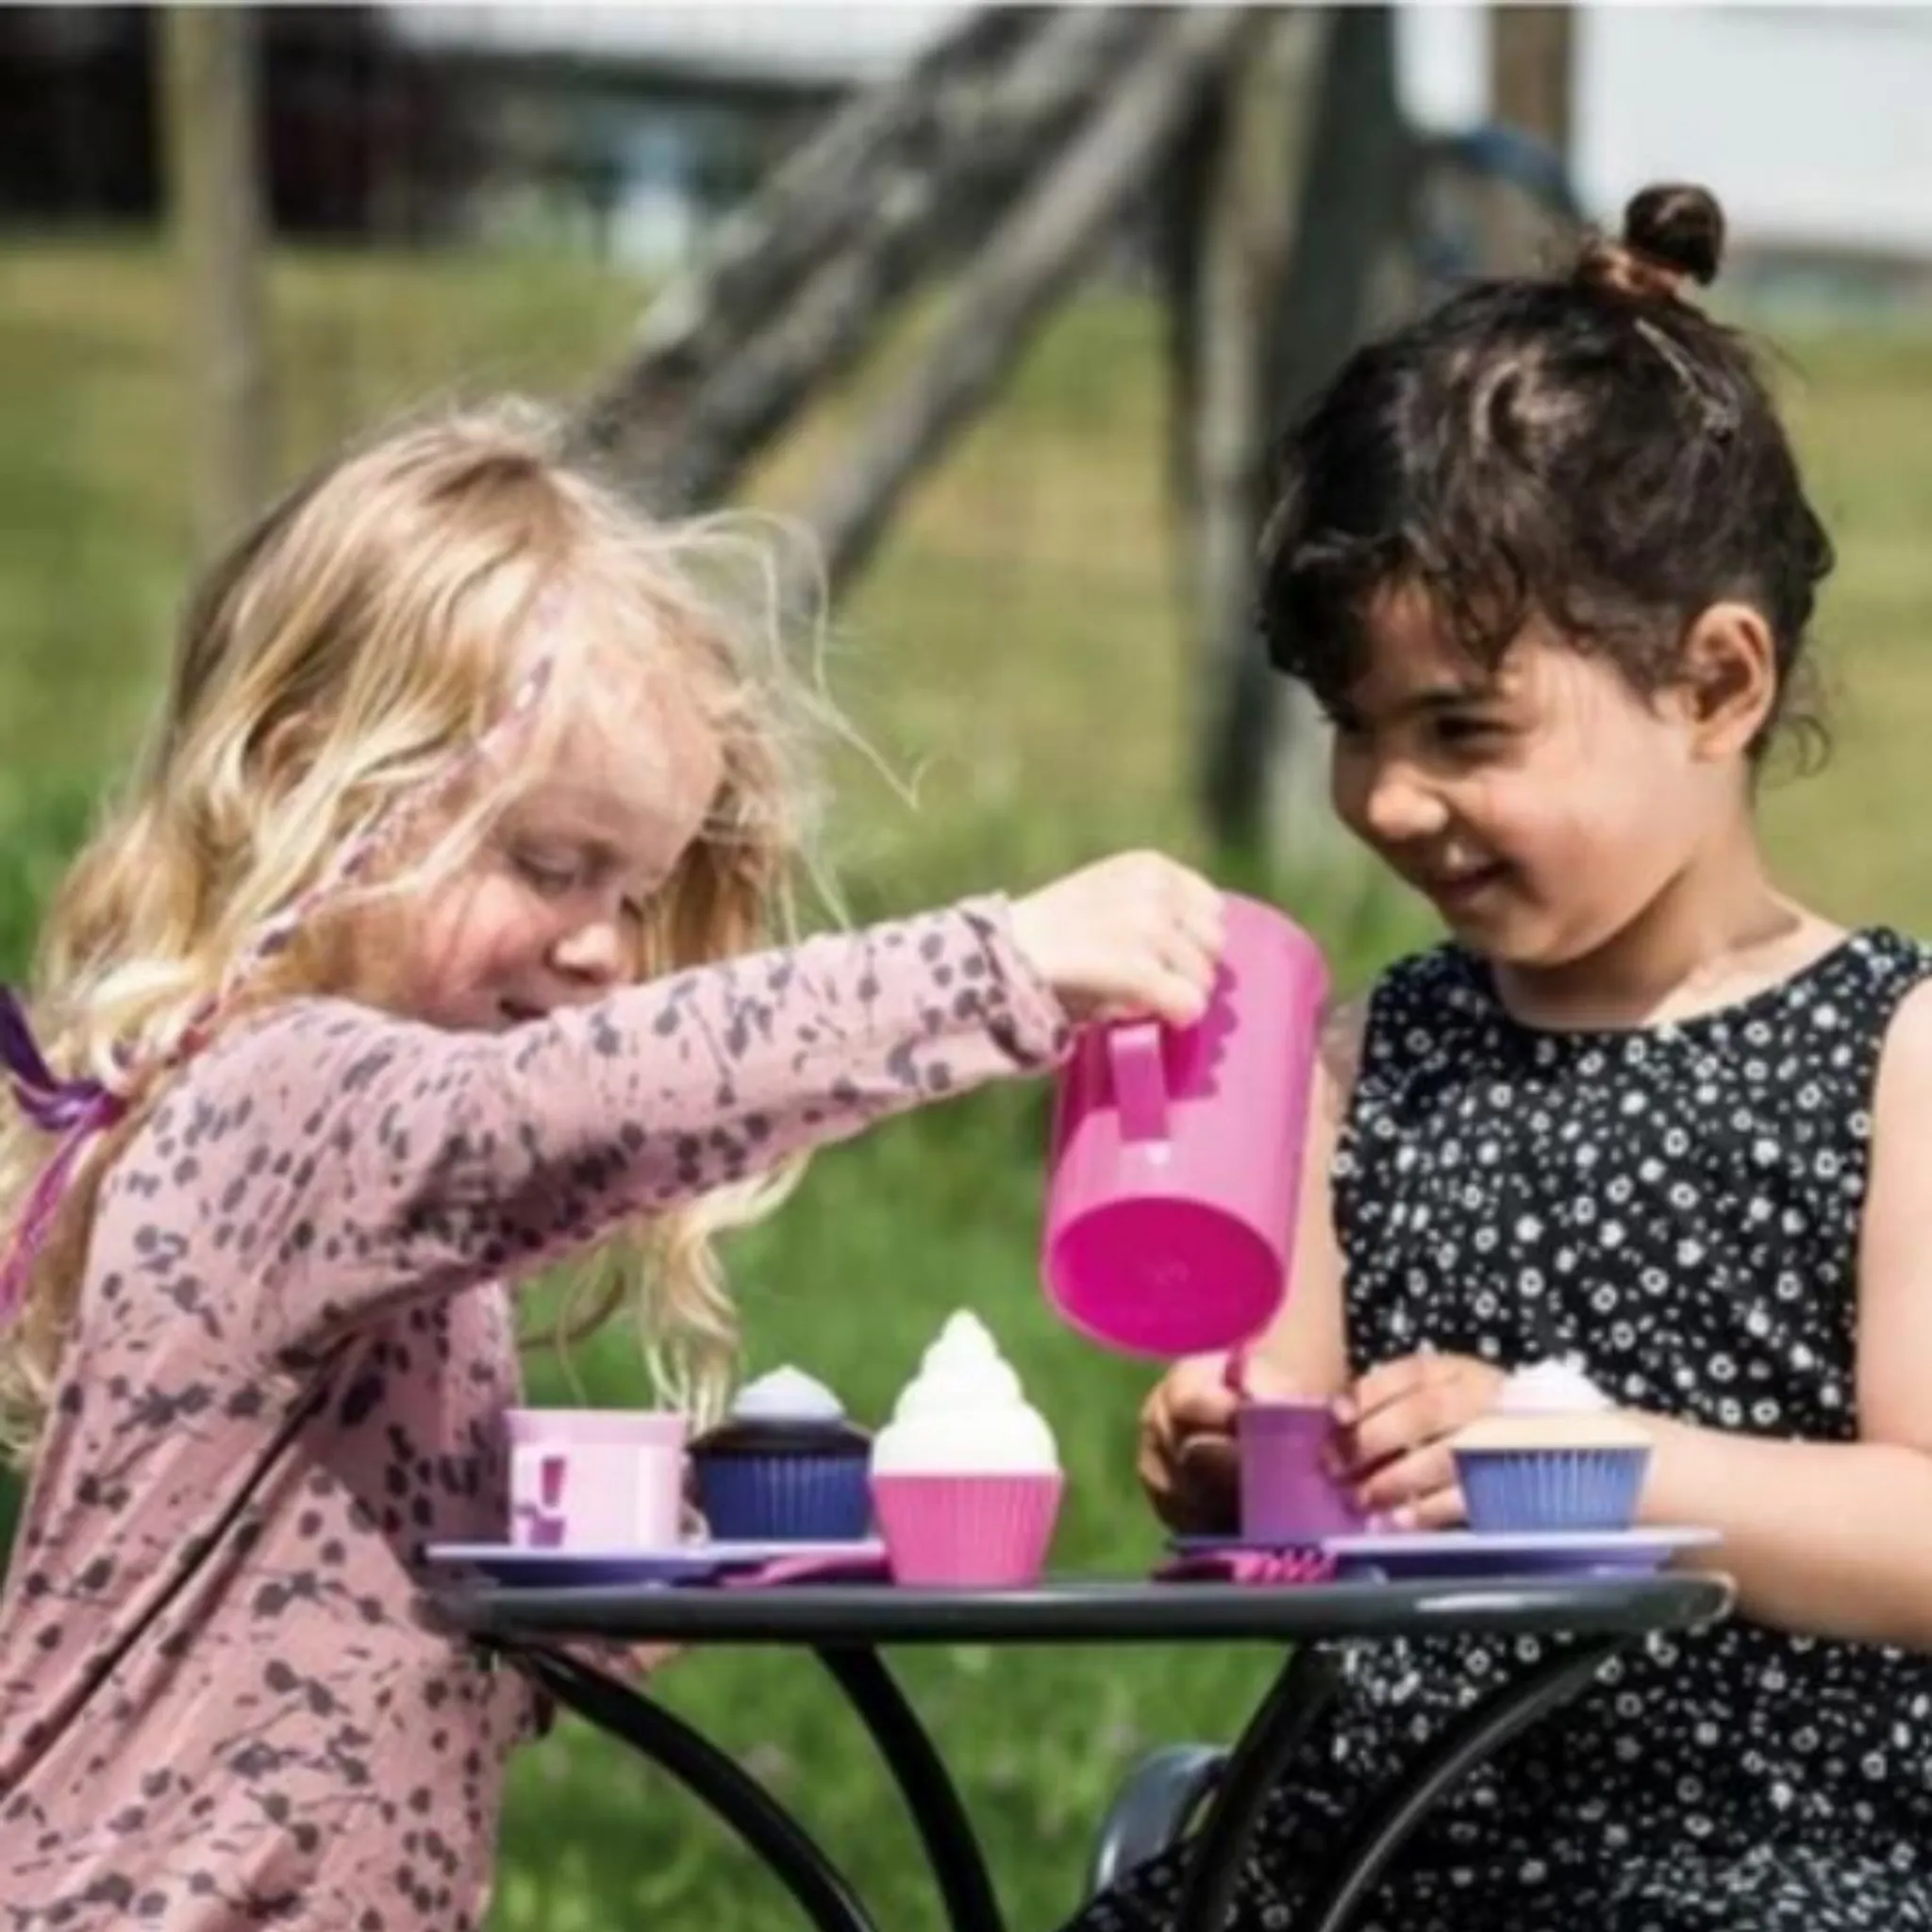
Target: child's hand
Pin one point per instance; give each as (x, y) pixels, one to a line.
(627, 1662)
(1188, 1464)
(1396, 1423)
(1134, 935)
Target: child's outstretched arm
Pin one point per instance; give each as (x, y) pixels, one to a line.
(1830, 1538)
(342, 1161)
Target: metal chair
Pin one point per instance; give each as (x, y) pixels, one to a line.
(1153, 1809)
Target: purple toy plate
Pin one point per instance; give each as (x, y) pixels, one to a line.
(1422, 1556)
(720, 1550)
(696, 1562)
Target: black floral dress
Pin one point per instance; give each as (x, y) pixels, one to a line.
(1676, 1209)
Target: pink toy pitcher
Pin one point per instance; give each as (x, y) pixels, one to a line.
(1177, 1155)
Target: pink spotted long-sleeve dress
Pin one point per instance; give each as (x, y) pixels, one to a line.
(222, 1702)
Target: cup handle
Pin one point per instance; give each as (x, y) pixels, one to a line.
(1140, 1080)
(542, 1515)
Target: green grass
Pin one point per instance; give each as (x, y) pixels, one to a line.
(1017, 650)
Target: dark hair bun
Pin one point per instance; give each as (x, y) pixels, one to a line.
(1679, 228)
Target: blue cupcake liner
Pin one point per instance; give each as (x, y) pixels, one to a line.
(784, 1498)
(1551, 1489)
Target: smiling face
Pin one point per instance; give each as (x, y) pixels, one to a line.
(1543, 808)
(552, 909)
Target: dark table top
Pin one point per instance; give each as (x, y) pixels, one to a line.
(1089, 1611)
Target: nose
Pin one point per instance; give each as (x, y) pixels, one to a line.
(594, 952)
(1397, 807)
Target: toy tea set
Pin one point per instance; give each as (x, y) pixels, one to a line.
(1176, 1159)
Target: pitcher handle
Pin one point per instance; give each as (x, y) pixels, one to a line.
(1140, 1080)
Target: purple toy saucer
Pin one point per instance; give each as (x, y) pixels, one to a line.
(696, 1562)
(1419, 1556)
(1399, 1555)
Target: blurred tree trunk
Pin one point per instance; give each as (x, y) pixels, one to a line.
(208, 130)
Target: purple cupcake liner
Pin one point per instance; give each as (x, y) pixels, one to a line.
(784, 1498)
(1551, 1489)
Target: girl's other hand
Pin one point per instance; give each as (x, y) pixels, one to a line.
(1395, 1430)
(1132, 936)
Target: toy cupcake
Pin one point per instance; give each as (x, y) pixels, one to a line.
(965, 1477)
(784, 1466)
(1552, 1454)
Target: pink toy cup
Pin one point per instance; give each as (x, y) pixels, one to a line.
(595, 1478)
(1177, 1155)
(1286, 1495)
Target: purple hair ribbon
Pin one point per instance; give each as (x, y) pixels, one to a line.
(76, 1110)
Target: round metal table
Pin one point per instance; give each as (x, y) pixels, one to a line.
(847, 1626)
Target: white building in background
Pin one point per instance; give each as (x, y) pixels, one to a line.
(1811, 123)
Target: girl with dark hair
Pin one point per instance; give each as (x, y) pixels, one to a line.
(1545, 558)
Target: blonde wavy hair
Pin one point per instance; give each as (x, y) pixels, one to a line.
(372, 625)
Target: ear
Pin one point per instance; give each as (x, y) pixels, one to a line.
(1729, 684)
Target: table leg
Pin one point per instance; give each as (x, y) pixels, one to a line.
(1299, 1696)
(952, 1846)
(1491, 1724)
(656, 1733)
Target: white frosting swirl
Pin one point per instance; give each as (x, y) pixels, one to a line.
(786, 1395)
(1552, 1387)
(964, 1414)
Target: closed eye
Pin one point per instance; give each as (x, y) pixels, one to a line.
(1464, 732)
(545, 875)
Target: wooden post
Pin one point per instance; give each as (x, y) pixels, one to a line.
(1262, 747)
(897, 223)
(1531, 63)
(1236, 245)
(207, 120)
(1033, 257)
(1531, 69)
(820, 196)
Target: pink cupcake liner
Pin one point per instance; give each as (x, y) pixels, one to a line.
(946, 1532)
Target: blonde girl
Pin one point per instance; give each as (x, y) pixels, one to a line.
(443, 935)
